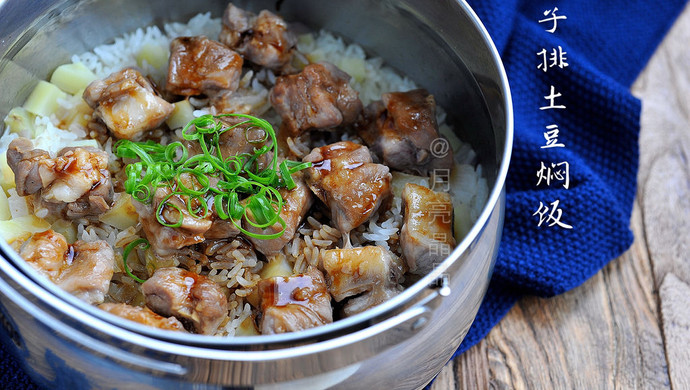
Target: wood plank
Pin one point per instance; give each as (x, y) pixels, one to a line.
(664, 179)
(676, 316)
(664, 185)
(666, 194)
(445, 379)
(603, 334)
(472, 370)
(634, 302)
(663, 87)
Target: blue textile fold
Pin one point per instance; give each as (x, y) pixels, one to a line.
(606, 45)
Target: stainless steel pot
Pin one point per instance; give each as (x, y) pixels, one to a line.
(402, 343)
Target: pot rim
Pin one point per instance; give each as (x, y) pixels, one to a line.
(40, 287)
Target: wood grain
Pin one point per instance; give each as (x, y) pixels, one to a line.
(472, 371)
(664, 188)
(664, 178)
(629, 325)
(603, 334)
(676, 318)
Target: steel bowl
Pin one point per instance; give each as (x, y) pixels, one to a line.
(402, 344)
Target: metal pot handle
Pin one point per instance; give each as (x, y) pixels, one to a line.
(94, 346)
(374, 339)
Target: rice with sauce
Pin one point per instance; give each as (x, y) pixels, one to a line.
(228, 262)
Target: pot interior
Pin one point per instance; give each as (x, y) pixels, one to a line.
(438, 44)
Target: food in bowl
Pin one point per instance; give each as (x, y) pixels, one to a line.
(229, 177)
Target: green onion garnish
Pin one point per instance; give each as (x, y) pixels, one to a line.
(129, 249)
(234, 185)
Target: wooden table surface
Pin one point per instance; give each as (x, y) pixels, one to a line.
(629, 325)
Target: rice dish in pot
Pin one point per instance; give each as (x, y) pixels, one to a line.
(232, 177)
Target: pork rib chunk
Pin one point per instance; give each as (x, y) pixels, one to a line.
(426, 236)
(83, 269)
(402, 129)
(294, 303)
(46, 252)
(199, 65)
(345, 179)
(75, 184)
(319, 97)
(264, 39)
(296, 203)
(142, 315)
(190, 297)
(88, 276)
(127, 103)
(370, 271)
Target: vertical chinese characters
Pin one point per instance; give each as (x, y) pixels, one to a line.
(554, 58)
(551, 16)
(557, 173)
(551, 98)
(551, 137)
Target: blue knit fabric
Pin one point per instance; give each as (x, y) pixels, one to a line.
(607, 43)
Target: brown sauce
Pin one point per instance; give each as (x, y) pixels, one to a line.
(286, 291)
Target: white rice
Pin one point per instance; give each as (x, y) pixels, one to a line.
(369, 76)
(109, 58)
(47, 136)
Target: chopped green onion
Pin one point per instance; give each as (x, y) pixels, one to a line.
(296, 166)
(129, 249)
(287, 177)
(237, 186)
(159, 212)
